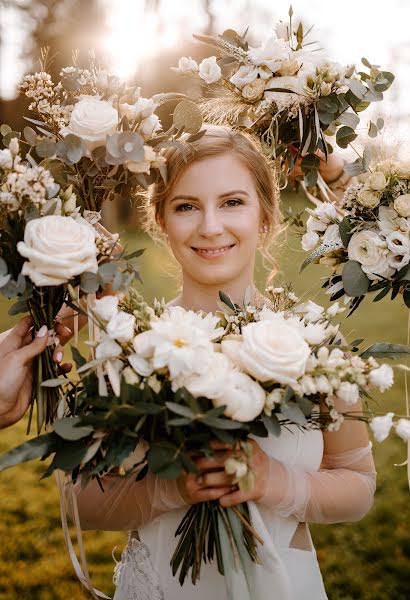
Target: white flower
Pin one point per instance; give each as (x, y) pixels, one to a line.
(382, 377)
(274, 398)
(398, 242)
(14, 146)
(271, 350)
(376, 181)
(348, 392)
(92, 120)
(368, 248)
(311, 311)
(211, 382)
(121, 327)
(322, 216)
(141, 365)
(6, 159)
(334, 310)
(57, 248)
(236, 467)
(403, 429)
(130, 376)
(308, 385)
(314, 333)
(179, 340)
(113, 369)
(309, 240)
(149, 126)
(323, 385)
(243, 397)
(107, 348)
(187, 65)
(245, 74)
(368, 198)
(143, 166)
(387, 220)
(402, 205)
(141, 109)
(70, 205)
(381, 426)
(106, 307)
(209, 70)
(270, 54)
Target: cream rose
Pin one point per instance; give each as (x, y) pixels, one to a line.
(57, 248)
(402, 205)
(376, 181)
(368, 198)
(253, 91)
(209, 70)
(92, 120)
(271, 350)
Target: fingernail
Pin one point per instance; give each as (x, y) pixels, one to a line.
(59, 356)
(67, 329)
(42, 331)
(200, 480)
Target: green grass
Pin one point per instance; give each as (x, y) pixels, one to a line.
(361, 561)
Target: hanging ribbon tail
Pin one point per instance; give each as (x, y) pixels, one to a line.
(135, 577)
(237, 581)
(81, 571)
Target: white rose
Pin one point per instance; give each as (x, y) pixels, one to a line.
(236, 467)
(271, 350)
(348, 392)
(142, 109)
(6, 159)
(403, 429)
(149, 126)
(309, 240)
(187, 65)
(121, 327)
(92, 120)
(245, 74)
(368, 198)
(381, 426)
(253, 91)
(402, 169)
(382, 377)
(243, 397)
(106, 307)
(376, 181)
(367, 248)
(402, 205)
(209, 70)
(143, 166)
(57, 248)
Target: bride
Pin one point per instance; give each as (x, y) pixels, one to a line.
(217, 208)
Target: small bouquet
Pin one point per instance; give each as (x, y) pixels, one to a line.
(288, 93)
(366, 237)
(97, 138)
(174, 381)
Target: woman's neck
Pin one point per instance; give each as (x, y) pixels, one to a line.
(195, 296)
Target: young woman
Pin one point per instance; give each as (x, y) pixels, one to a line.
(216, 210)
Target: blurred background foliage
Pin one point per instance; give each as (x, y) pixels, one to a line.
(360, 561)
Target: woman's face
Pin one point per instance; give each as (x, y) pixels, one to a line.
(213, 218)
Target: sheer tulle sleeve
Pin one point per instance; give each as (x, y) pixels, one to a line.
(342, 489)
(125, 503)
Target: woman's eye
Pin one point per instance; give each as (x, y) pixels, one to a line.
(184, 207)
(233, 202)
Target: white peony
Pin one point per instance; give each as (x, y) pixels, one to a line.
(403, 429)
(180, 340)
(322, 216)
(381, 426)
(270, 54)
(57, 248)
(271, 350)
(243, 397)
(6, 159)
(209, 70)
(402, 205)
(348, 392)
(121, 327)
(106, 307)
(382, 377)
(310, 240)
(211, 382)
(92, 120)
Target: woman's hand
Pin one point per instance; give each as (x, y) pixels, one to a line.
(17, 351)
(330, 169)
(213, 483)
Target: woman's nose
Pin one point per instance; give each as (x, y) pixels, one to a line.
(210, 224)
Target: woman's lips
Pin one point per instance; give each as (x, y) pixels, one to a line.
(211, 253)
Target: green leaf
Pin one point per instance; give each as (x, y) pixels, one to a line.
(345, 228)
(3, 266)
(372, 130)
(30, 136)
(46, 148)
(68, 428)
(77, 357)
(21, 306)
(181, 410)
(272, 424)
(366, 63)
(220, 423)
(226, 300)
(89, 282)
(344, 136)
(292, 411)
(38, 447)
(357, 88)
(5, 129)
(349, 119)
(355, 281)
(171, 471)
(386, 350)
(56, 382)
(160, 456)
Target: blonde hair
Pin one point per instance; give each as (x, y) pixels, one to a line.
(220, 140)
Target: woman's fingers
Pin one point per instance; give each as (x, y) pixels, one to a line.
(216, 462)
(232, 498)
(215, 479)
(63, 332)
(34, 348)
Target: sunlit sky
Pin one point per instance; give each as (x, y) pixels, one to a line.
(377, 29)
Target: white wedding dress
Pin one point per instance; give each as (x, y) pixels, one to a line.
(300, 567)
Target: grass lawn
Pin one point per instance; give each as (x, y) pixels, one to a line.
(369, 560)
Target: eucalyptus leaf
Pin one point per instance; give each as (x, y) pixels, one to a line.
(3, 266)
(272, 424)
(345, 228)
(30, 136)
(181, 410)
(355, 281)
(386, 350)
(46, 148)
(89, 282)
(357, 88)
(345, 136)
(69, 428)
(5, 129)
(187, 116)
(293, 412)
(349, 119)
(21, 306)
(56, 382)
(38, 447)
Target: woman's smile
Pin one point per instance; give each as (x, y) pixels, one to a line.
(212, 253)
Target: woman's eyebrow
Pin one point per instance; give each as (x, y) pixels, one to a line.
(224, 195)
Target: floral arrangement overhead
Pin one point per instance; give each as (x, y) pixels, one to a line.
(94, 138)
(288, 93)
(173, 381)
(366, 237)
